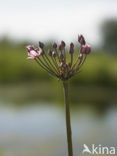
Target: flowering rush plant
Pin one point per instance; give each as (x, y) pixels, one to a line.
(56, 62)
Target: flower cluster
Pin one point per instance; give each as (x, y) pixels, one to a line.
(55, 59)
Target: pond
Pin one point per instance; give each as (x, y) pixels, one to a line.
(39, 129)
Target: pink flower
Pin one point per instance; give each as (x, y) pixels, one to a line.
(32, 52)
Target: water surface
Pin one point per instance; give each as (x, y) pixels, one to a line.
(40, 129)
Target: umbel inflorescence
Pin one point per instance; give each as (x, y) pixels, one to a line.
(55, 60)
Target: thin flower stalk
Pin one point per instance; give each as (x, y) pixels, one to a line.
(51, 64)
(55, 63)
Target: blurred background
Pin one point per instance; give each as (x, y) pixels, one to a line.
(32, 118)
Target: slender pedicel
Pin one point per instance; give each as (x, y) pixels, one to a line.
(52, 66)
(45, 68)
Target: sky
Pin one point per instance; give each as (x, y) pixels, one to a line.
(53, 19)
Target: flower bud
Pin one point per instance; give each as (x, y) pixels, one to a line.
(54, 54)
(63, 44)
(85, 49)
(71, 45)
(41, 45)
(71, 49)
(49, 52)
(54, 45)
(81, 39)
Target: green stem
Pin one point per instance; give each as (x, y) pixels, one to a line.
(68, 122)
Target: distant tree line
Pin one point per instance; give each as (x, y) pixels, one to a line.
(109, 35)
